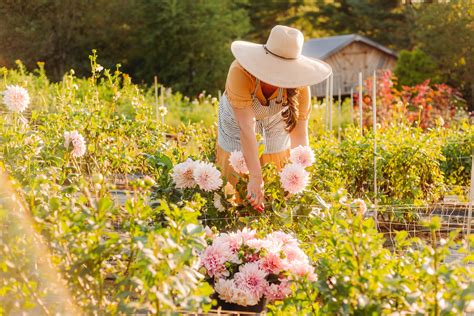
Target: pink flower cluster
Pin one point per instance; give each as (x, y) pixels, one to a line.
(293, 177)
(237, 161)
(246, 268)
(190, 173)
(77, 141)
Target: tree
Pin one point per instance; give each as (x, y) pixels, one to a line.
(446, 33)
(414, 67)
(383, 21)
(63, 33)
(186, 43)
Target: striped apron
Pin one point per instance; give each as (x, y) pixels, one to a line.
(269, 124)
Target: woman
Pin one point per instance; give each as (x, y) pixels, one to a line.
(267, 92)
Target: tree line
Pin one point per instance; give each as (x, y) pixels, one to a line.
(186, 43)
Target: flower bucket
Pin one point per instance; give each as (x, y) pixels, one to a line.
(225, 306)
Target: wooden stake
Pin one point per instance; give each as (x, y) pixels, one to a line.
(374, 122)
(326, 113)
(156, 98)
(352, 106)
(331, 93)
(339, 112)
(471, 198)
(360, 104)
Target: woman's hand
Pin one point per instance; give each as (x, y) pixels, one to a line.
(255, 192)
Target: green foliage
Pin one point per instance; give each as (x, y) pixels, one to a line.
(414, 67)
(122, 258)
(445, 32)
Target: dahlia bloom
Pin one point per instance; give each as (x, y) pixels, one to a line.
(302, 155)
(252, 279)
(273, 263)
(214, 258)
(280, 291)
(237, 161)
(225, 289)
(77, 141)
(183, 174)
(218, 203)
(294, 178)
(16, 98)
(207, 177)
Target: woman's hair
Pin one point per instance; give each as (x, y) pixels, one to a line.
(291, 113)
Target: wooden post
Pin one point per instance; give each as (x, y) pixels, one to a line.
(352, 106)
(326, 112)
(156, 98)
(360, 103)
(374, 122)
(471, 198)
(339, 112)
(331, 93)
(162, 99)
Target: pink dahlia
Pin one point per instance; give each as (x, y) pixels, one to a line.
(273, 263)
(77, 141)
(280, 291)
(294, 253)
(252, 279)
(207, 177)
(225, 289)
(237, 161)
(16, 98)
(183, 174)
(302, 269)
(294, 178)
(284, 238)
(243, 297)
(230, 241)
(214, 259)
(302, 155)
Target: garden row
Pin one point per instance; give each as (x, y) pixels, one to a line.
(61, 152)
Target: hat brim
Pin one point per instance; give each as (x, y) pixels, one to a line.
(280, 72)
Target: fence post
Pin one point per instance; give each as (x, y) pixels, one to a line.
(326, 113)
(339, 112)
(374, 122)
(352, 106)
(331, 92)
(156, 98)
(471, 197)
(360, 103)
(162, 102)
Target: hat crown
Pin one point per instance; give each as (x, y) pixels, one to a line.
(286, 42)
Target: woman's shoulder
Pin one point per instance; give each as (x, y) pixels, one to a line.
(239, 85)
(236, 71)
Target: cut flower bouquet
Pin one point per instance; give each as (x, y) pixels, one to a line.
(247, 270)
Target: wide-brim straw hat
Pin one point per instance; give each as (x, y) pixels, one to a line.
(279, 62)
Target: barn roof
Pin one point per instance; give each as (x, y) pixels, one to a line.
(326, 46)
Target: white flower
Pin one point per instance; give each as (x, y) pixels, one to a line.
(77, 141)
(302, 155)
(207, 177)
(294, 178)
(99, 68)
(237, 161)
(218, 203)
(183, 174)
(16, 98)
(163, 110)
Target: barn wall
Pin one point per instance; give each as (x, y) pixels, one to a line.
(349, 61)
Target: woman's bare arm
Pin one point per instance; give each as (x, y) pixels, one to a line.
(246, 120)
